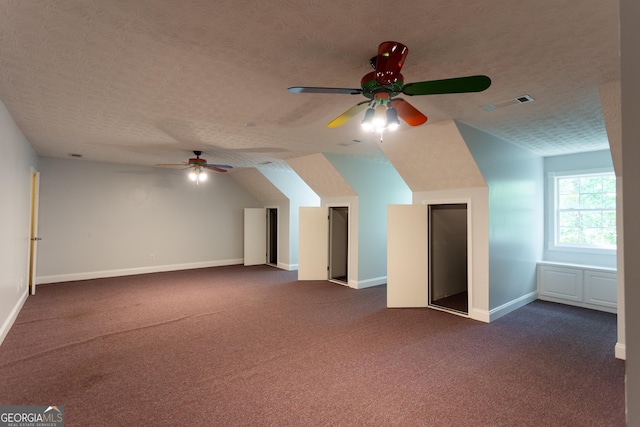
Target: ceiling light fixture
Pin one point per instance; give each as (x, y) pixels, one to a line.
(380, 116)
(197, 175)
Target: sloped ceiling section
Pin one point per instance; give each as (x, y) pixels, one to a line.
(321, 176)
(434, 157)
(257, 185)
(291, 185)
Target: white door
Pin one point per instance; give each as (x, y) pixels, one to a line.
(313, 243)
(407, 266)
(255, 236)
(33, 231)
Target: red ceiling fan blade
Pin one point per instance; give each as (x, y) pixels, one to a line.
(349, 114)
(408, 112)
(216, 168)
(391, 56)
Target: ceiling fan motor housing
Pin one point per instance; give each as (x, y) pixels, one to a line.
(371, 86)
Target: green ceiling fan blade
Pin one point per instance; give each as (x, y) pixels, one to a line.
(347, 115)
(455, 85)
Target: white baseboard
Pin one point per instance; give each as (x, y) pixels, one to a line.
(496, 313)
(133, 271)
(621, 351)
(368, 283)
(288, 267)
(8, 323)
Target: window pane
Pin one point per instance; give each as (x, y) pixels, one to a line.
(609, 236)
(591, 201)
(569, 219)
(592, 236)
(591, 219)
(609, 201)
(609, 219)
(569, 201)
(569, 235)
(568, 185)
(609, 184)
(591, 184)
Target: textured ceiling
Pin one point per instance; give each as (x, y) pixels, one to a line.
(146, 81)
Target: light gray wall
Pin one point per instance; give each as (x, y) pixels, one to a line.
(573, 162)
(16, 160)
(516, 226)
(101, 219)
(629, 35)
(378, 185)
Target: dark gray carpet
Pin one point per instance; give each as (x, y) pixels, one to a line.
(251, 346)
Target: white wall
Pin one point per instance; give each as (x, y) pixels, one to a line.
(101, 219)
(16, 160)
(573, 162)
(378, 185)
(629, 35)
(516, 226)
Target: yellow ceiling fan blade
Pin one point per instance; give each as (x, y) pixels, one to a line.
(347, 115)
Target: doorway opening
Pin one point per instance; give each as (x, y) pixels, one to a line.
(448, 257)
(272, 236)
(339, 244)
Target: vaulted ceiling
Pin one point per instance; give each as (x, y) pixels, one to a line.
(147, 81)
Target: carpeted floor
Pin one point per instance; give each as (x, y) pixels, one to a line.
(251, 346)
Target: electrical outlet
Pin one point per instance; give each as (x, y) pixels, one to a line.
(152, 257)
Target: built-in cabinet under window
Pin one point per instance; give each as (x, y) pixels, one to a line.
(582, 286)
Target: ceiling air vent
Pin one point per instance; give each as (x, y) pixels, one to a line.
(515, 101)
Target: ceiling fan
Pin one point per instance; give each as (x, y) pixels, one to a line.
(198, 165)
(385, 83)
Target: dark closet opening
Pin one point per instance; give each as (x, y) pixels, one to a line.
(448, 263)
(338, 244)
(272, 236)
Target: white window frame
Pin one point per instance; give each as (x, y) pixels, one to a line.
(552, 217)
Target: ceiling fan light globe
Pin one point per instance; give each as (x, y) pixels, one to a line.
(193, 176)
(367, 120)
(202, 176)
(393, 122)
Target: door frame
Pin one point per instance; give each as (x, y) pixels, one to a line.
(34, 204)
(453, 201)
(330, 208)
(270, 236)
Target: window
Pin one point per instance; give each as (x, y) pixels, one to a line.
(585, 211)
